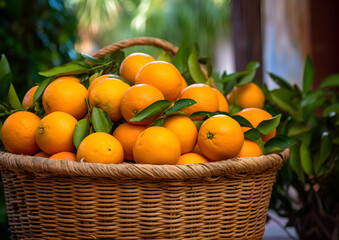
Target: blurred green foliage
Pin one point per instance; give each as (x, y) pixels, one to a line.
(36, 35)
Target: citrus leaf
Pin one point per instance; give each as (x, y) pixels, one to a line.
(181, 58)
(330, 81)
(246, 79)
(325, 151)
(242, 121)
(198, 124)
(282, 98)
(159, 122)
(305, 158)
(41, 88)
(67, 69)
(332, 108)
(295, 162)
(234, 76)
(180, 104)
(297, 128)
(194, 67)
(152, 110)
(252, 134)
(101, 121)
(200, 114)
(5, 77)
(252, 65)
(311, 97)
(91, 59)
(81, 131)
(308, 75)
(281, 82)
(267, 126)
(13, 98)
(164, 56)
(278, 142)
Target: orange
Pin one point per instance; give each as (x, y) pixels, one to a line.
(68, 78)
(256, 116)
(136, 99)
(162, 75)
(41, 154)
(131, 65)
(223, 104)
(204, 95)
(127, 134)
(98, 79)
(247, 96)
(157, 145)
(18, 133)
(66, 96)
(184, 128)
(191, 158)
(68, 156)
(55, 133)
(27, 101)
(249, 149)
(220, 137)
(184, 84)
(107, 95)
(100, 147)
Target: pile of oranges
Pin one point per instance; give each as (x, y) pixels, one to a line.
(142, 81)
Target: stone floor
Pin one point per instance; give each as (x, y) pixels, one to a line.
(274, 232)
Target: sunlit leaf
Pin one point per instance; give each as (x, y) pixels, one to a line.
(180, 104)
(67, 69)
(181, 58)
(246, 79)
(194, 67)
(81, 131)
(152, 110)
(41, 88)
(101, 121)
(252, 65)
(13, 98)
(267, 126)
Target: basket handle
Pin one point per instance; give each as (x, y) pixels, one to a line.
(150, 41)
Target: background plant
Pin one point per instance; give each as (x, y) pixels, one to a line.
(307, 189)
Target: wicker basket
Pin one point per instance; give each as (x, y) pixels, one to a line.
(55, 199)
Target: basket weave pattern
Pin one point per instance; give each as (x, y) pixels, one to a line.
(55, 199)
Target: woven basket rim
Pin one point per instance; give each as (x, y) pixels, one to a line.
(230, 168)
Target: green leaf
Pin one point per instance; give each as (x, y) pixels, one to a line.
(1, 123)
(235, 76)
(181, 58)
(267, 126)
(117, 57)
(325, 151)
(200, 114)
(283, 99)
(311, 97)
(331, 109)
(246, 79)
(308, 75)
(164, 56)
(306, 160)
(101, 121)
(295, 162)
(242, 121)
(297, 128)
(198, 124)
(252, 65)
(91, 59)
(40, 90)
(159, 122)
(194, 67)
(281, 82)
(13, 98)
(180, 104)
(81, 131)
(330, 81)
(152, 110)
(252, 134)
(278, 142)
(5, 77)
(67, 69)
